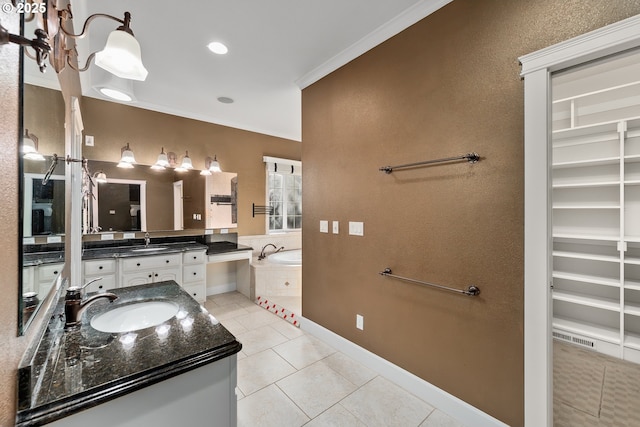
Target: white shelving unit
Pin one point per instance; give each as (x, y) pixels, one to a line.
(595, 194)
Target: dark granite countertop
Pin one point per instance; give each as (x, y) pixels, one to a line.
(81, 367)
(215, 248)
(38, 258)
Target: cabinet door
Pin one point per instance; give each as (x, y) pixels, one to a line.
(134, 279)
(194, 257)
(198, 291)
(160, 275)
(193, 273)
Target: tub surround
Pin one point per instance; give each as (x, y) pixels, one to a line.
(79, 368)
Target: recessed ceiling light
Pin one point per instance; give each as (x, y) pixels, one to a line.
(217, 47)
(225, 100)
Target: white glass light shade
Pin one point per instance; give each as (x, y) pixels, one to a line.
(30, 148)
(121, 56)
(205, 172)
(34, 156)
(186, 163)
(163, 160)
(101, 177)
(125, 165)
(127, 156)
(115, 94)
(215, 166)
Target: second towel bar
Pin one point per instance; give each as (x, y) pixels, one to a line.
(471, 291)
(469, 157)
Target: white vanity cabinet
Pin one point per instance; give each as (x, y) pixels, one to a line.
(45, 274)
(149, 269)
(194, 272)
(105, 268)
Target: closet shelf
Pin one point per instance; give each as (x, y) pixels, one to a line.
(587, 300)
(634, 239)
(591, 129)
(631, 260)
(588, 184)
(632, 158)
(632, 340)
(586, 256)
(575, 236)
(632, 308)
(586, 278)
(588, 162)
(632, 285)
(632, 182)
(593, 206)
(580, 327)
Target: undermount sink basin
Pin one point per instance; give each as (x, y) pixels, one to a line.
(132, 317)
(151, 249)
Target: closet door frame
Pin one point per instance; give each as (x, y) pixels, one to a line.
(536, 72)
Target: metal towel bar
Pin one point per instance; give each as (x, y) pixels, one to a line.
(469, 157)
(471, 291)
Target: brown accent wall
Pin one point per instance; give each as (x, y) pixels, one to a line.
(113, 125)
(446, 86)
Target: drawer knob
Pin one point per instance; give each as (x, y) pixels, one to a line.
(195, 257)
(156, 274)
(55, 272)
(167, 261)
(100, 287)
(194, 273)
(138, 264)
(100, 268)
(150, 275)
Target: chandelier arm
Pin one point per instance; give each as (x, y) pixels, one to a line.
(86, 24)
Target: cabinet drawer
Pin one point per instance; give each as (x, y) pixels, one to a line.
(194, 257)
(99, 266)
(151, 262)
(48, 272)
(198, 292)
(107, 283)
(193, 273)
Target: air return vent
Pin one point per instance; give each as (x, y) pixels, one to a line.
(574, 340)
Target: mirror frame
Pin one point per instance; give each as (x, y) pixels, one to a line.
(22, 325)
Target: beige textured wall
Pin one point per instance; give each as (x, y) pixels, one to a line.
(113, 125)
(447, 85)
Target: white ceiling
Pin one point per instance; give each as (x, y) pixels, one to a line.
(276, 48)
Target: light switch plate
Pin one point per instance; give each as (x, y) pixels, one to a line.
(324, 226)
(360, 322)
(356, 228)
(88, 140)
(208, 231)
(106, 236)
(336, 227)
(129, 236)
(54, 239)
(29, 241)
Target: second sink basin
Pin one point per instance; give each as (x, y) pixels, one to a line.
(132, 317)
(150, 249)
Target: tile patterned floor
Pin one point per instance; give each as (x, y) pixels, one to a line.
(288, 378)
(594, 390)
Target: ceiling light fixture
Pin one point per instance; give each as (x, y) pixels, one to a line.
(121, 54)
(30, 147)
(225, 100)
(218, 48)
(127, 160)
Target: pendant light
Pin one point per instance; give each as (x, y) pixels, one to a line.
(30, 147)
(127, 160)
(214, 166)
(162, 162)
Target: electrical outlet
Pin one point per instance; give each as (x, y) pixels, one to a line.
(336, 227)
(360, 322)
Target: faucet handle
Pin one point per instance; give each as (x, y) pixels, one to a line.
(77, 290)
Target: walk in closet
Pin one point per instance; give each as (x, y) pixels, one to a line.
(595, 200)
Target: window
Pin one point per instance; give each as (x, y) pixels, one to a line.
(284, 194)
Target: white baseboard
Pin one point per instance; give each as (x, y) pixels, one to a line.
(460, 410)
(221, 289)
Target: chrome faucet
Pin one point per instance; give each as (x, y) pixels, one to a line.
(147, 239)
(262, 254)
(74, 306)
